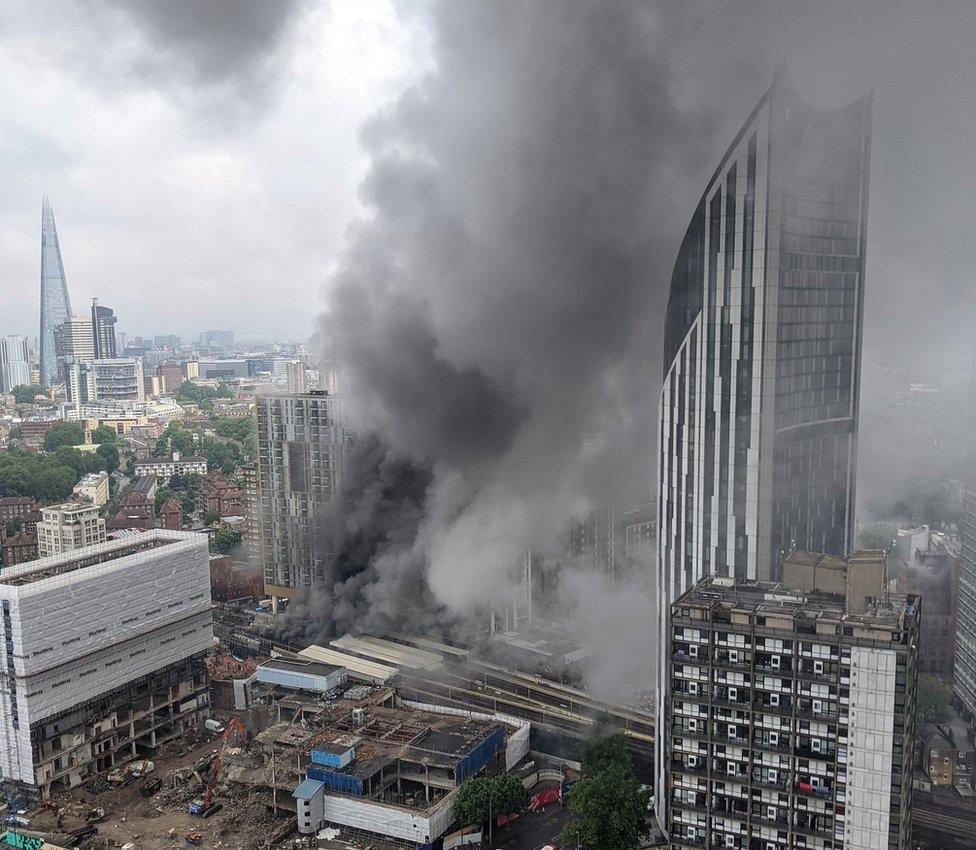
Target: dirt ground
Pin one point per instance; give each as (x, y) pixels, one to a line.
(162, 822)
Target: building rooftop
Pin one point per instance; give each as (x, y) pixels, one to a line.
(775, 598)
(55, 566)
(300, 665)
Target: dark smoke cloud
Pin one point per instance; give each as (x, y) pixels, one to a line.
(223, 52)
(498, 313)
(495, 311)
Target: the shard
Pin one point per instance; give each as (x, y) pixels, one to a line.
(55, 304)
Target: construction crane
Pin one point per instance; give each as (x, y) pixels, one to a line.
(205, 806)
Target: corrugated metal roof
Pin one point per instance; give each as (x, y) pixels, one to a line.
(308, 789)
(387, 651)
(360, 668)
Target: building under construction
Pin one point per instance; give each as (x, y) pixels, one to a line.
(104, 656)
(360, 757)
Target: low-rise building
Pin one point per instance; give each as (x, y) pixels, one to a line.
(67, 528)
(949, 755)
(18, 549)
(16, 508)
(93, 488)
(176, 464)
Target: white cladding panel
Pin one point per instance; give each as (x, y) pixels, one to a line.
(870, 740)
(69, 616)
(386, 820)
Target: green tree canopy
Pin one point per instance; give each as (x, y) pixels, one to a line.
(235, 428)
(64, 434)
(210, 517)
(490, 796)
(934, 699)
(25, 393)
(600, 753)
(104, 434)
(162, 494)
(221, 454)
(224, 541)
(110, 455)
(610, 809)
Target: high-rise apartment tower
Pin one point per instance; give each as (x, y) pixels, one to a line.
(302, 446)
(758, 411)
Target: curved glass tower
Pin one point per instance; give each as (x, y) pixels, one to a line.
(55, 304)
(757, 422)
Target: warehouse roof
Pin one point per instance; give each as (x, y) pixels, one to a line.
(359, 668)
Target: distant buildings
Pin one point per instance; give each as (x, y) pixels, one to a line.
(172, 377)
(789, 720)
(112, 664)
(93, 488)
(613, 538)
(74, 342)
(932, 572)
(69, 527)
(302, 446)
(217, 339)
(103, 331)
(176, 464)
(295, 371)
(116, 380)
(758, 413)
(14, 363)
(55, 304)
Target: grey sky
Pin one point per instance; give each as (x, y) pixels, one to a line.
(201, 157)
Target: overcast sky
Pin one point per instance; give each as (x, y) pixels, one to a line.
(202, 158)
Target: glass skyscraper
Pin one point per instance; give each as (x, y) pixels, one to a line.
(964, 672)
(55, 304)
(757, 431)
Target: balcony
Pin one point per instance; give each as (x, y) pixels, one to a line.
(808, 790)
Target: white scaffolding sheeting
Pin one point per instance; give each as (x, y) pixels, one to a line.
(389, 652)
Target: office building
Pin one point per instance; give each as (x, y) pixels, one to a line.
(964, 671)
(117, 380)
(103, 331)
(74, 342)
(757, 437)
(68, 528)
(302, 445)
(55, 304)
(613, 539)
(172, 376)
(217, 339)
(222, 370)
(104, 656)
(790, 721)
(14, 363)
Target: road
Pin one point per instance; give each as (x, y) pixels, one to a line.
(532, 830)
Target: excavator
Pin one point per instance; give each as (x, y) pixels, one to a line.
(205, 806)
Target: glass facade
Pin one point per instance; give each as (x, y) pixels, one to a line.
(964, 673)
(757, 430)
(55, 305)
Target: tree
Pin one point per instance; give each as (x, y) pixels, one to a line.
(223, 455)
(104, 434)
(13, 527)
(162, 494)
(25, 393)
(225, 540)
(63, 434)
(210, 517)
(234, 428)
(934, 699)
(599, 753)
(611, 811)
(478, 800)
(110, 454)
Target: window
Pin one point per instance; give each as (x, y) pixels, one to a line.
(693, 650)
(771, 812)
(774, 738)
(733, 694)
(818, 707)
(692, 761)
(774, 699)
(818, 667)
(734, 656)
(733, 731)
(774, 662)
(693, 687)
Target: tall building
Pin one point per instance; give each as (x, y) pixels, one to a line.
(302, 445)
(74, 342)
(104, 656)
(14, 362)
(758, 410)
(103, 331)
(964, 671)
(55, 304)
(118, 379)
(69, 527)
(790, 721)
(295, 375)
